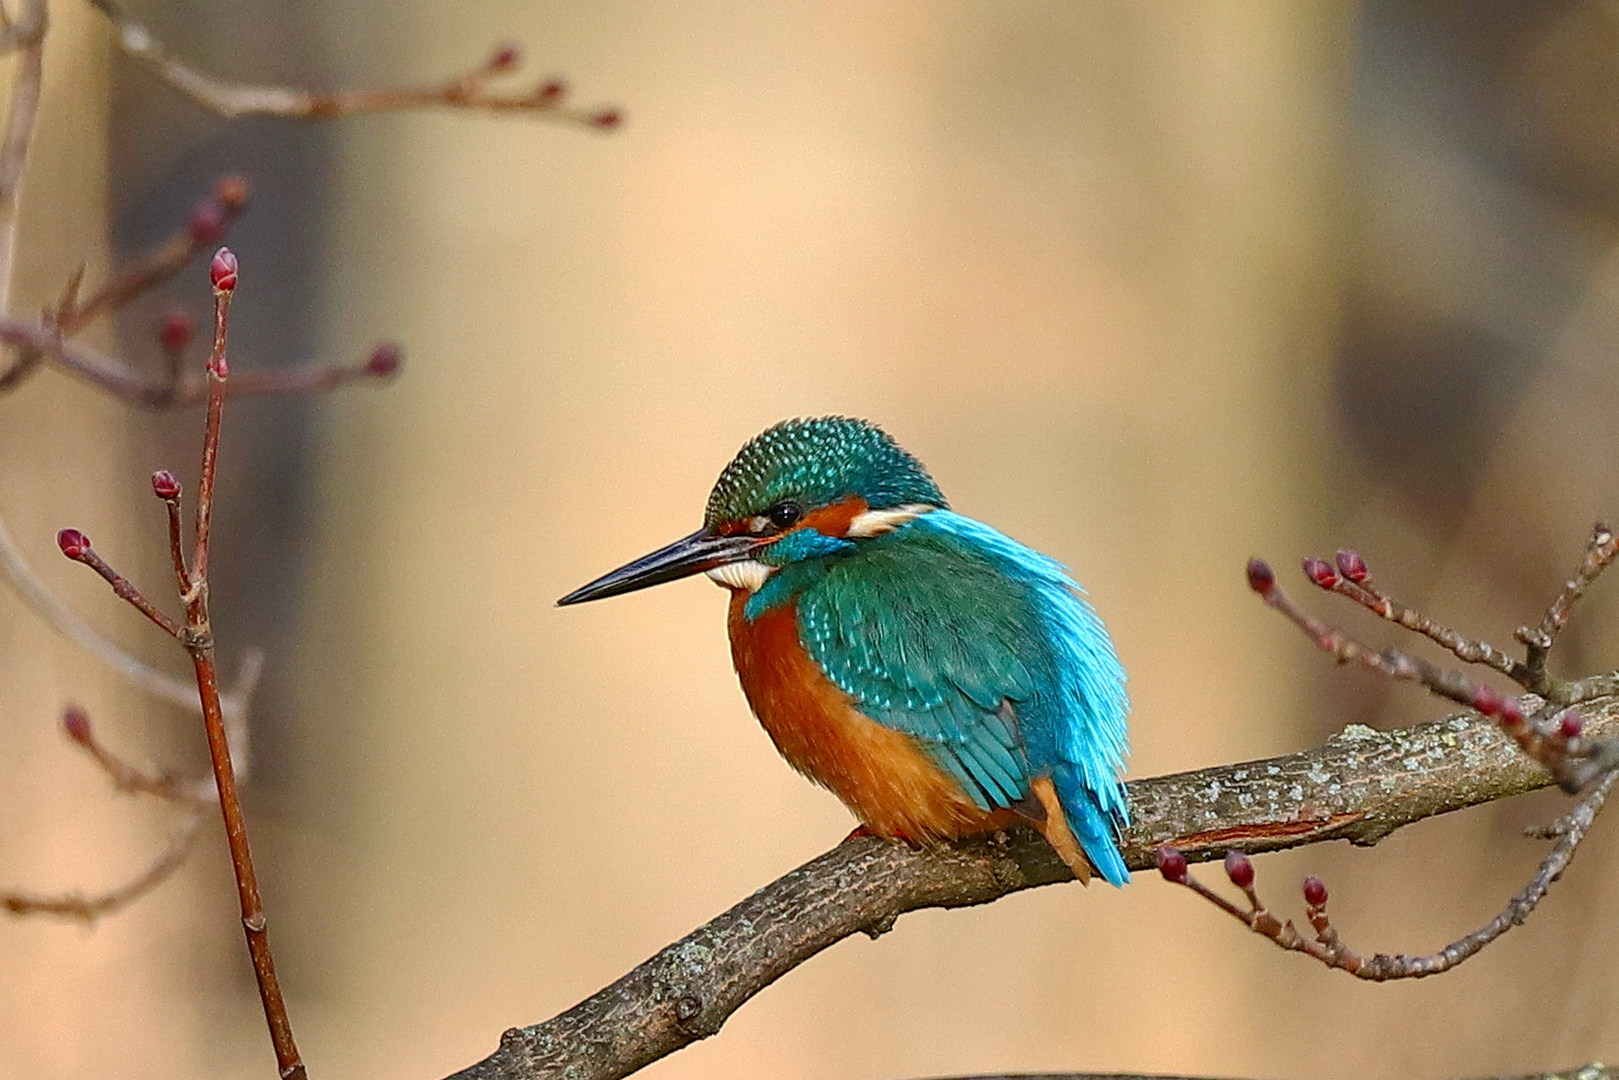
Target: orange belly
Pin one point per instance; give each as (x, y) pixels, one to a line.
(882, 775)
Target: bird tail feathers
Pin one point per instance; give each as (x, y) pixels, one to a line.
(1095, 829)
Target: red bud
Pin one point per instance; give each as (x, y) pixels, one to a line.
(1172, 864)
(74, 544)
(1261, 578)
(1487, 701)
(1573, 723)
(1352, 566)
(165, 486)
(552, 92)
(504, 58)
(607, 118)
(384, 360)
(207, 224)
(1319, 572)
(1511, 712)
(1239, 868)
(1315, 891)
(222, 271)
(76, 722)
(177, 330)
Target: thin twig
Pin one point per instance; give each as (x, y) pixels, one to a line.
(92, 906)
(117, 380)
(1330, 950)
(167, 488)
(76, 546)
(468, 91)
(224, 275)
(199, 642)
(191, 794)
(27, 35)
(132, 779)
(208, 224)
(1551, 736)
(59, 617)
(1354, 581)
(1334, 642)
(1599, 553)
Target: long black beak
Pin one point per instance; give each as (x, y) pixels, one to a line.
(702, 550)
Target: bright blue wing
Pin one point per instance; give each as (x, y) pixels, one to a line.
(981, 650)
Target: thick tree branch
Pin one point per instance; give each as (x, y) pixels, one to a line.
(1360, 786)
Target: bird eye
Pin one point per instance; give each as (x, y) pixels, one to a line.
(784, 515)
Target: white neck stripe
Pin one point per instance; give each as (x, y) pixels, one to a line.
(877, 522)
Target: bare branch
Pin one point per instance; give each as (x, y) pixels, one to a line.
(116, 379)
(59, 617)
(198, 638)
(186, 792)
(1355, 581)
(125, 777)
(1330, 950)
(27, 35)
(1598, 554)
(468, 91)
(1360, 786)
(76, 546)
(92, 906)
(209, 223)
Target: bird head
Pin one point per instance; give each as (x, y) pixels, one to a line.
(799, 490)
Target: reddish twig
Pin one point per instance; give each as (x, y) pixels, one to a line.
(222, 272)
(1552, 735)
(76, 546)
(1328, 948)
(130, 779)
(124, 777)
(166, 486)
(545, 100)
(204, 230)
(1354, 580)
(197, 637)
(90, 907)
(199, 641)
(1390, 662)
(116, 379)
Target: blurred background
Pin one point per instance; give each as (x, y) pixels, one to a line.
(1150, 287)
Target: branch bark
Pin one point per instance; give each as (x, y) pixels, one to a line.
(1359, 786)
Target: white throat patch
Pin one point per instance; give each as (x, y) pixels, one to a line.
(746, 575)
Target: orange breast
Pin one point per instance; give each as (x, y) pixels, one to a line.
(882, 775)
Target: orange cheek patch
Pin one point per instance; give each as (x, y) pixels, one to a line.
(835, 520)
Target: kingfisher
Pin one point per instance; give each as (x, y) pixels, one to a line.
(939, 677)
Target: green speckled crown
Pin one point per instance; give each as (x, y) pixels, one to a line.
(817, 462)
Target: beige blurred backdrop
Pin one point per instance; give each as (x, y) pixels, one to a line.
(1130, 279)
